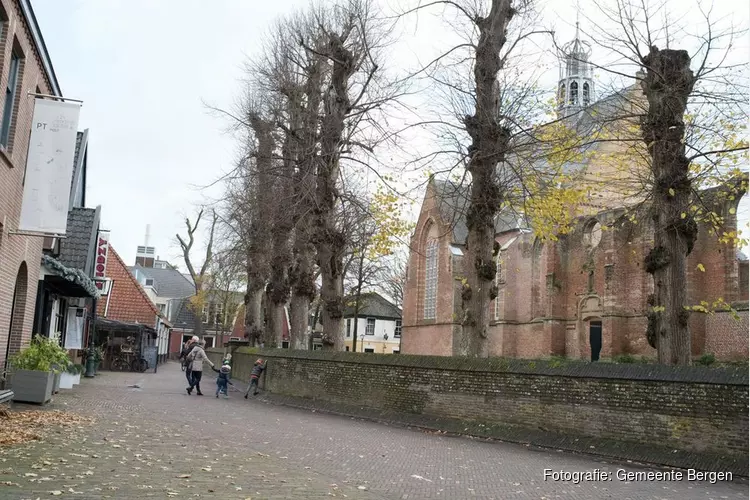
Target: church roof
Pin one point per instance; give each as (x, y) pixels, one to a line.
(453, 200)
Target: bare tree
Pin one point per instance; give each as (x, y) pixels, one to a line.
(198, 276)
(347, 41)
(688, 119)
(296, 76)
(392, 279)
(226, 277)
(490, 108)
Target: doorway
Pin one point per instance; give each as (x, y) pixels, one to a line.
(17, 314)
(595, 339)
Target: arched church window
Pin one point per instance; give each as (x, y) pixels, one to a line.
(586, 95)
(499, 282)
(430, 279)
(574, 93)
(592, 234)
(562, 93)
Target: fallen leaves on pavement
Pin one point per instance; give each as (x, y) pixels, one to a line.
(23, 426)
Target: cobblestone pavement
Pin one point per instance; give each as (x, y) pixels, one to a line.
(156, 441)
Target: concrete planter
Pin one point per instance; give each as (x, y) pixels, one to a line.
(67, 380)
(33, 386)
(76, 379)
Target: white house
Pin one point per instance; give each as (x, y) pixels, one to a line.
(378, 325)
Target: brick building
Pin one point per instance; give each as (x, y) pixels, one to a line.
(128, 308)
(560, 297)
(24, 65)
(552, 296)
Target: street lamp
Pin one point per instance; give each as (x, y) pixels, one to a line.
(362, 341)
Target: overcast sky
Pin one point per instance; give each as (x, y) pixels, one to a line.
(143, 69)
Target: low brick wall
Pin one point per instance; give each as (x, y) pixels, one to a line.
(691, 417)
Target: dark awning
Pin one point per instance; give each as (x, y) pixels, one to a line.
(121, 326)
(69, 281)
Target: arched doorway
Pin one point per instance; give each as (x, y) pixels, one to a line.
(17, 313)
(595, 338)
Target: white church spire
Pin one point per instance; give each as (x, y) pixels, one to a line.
(575, 89)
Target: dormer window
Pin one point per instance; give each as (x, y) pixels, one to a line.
(150, 282)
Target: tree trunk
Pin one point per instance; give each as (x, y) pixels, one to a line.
(253, 313)
(301, 275)
(328, 239)
(299, 318)
(488, 148)
(198, 324)
(667, 85)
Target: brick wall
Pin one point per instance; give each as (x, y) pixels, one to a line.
(20, 257)
(689, 409)
(542, 306)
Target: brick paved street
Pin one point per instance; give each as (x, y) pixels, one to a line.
(146, 438)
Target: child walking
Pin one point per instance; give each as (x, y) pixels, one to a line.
(254, 376)
(223, 379)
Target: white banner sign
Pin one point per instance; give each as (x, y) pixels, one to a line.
(49, 167)
(74, 331)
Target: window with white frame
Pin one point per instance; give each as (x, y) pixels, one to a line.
(397, 331)
(205, 313)
(219, 313)
(430, 279)
(370, 330)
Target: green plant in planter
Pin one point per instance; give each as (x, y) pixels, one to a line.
(75, 369)
(44, 355)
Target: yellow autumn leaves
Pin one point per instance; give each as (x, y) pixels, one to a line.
(387, 211)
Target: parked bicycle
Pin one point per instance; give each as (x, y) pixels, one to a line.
(128, 359)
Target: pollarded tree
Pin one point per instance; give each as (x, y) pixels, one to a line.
(689, 123)
(347, 37)
(491, 106)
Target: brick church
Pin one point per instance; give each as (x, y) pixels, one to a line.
(557, 297)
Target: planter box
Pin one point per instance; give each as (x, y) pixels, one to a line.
(33, 386)
(76, 379)
(67, 380)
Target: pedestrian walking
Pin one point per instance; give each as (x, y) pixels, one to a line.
(222, 381)
(255, 376)
(184, 354)
(197, 357)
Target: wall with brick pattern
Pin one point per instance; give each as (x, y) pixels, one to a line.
(695, 409)
(17, 253)
(545, 303)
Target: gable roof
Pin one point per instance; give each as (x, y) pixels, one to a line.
(372, 304)
(128, 301)
(168, 283)
(78, 247)
(182, 316)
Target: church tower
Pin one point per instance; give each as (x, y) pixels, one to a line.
(575, 89)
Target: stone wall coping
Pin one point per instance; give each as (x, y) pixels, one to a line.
(557, 368)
